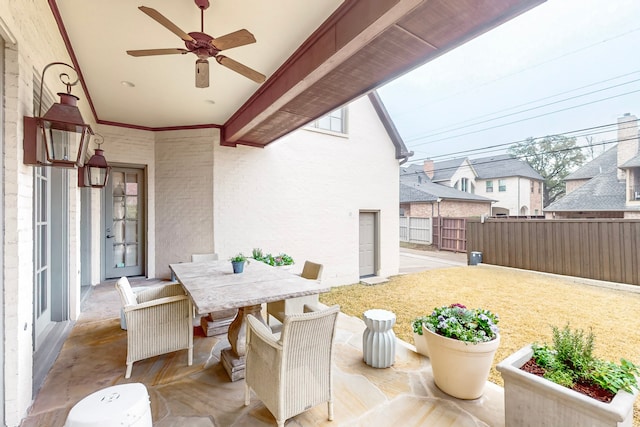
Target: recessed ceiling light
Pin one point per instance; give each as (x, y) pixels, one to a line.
(210, 101)
(127, 84)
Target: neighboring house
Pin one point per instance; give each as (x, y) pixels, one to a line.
(609, 185)
(420, 197)
(516, 186)
(495, 186)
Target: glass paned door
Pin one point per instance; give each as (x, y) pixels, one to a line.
(124, 223)
(42, 254)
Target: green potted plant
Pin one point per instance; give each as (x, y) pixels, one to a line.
(581, 389)
(276, 261)
(238, 262)
(461, 344)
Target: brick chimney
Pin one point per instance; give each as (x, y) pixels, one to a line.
(429, 168)
(627, 140)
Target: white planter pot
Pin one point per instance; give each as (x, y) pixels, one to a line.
(534, 401)
(460, 369)
(420, 342)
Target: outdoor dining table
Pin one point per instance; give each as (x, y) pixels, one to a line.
(212, 286)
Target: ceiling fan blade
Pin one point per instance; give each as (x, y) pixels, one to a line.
(240, 68)
(235, 39)
(162, 20)
(150, 52)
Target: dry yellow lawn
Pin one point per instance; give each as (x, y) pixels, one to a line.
(528, 304)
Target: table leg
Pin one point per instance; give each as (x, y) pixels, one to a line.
(233, 357)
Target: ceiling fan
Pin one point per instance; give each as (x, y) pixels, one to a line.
(203, 46)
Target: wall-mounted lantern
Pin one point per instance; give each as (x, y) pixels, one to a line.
(95, 172)
(60, 137)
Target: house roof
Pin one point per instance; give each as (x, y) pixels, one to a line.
(401, 149)
(605, 162)
(601, 193)
(503, 165)
(634, 162)
(430, 192)
(443, 171)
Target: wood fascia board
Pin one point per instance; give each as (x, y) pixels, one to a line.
(389, 126)
(277, 91)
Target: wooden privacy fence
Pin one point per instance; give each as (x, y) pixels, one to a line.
(606, 249)
(415, 230)
(450, 234)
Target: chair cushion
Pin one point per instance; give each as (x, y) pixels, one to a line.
(127, 295)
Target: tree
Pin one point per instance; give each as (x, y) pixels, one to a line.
(553, 157)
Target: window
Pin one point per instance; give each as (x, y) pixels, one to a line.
(464, 185)
(489, 188)
(539, 187)
(532, 184)
(502, 185)
(334, 121)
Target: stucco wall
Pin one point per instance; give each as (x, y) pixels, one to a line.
(302, 195)
(517, 194)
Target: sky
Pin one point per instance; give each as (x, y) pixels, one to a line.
(560, 68)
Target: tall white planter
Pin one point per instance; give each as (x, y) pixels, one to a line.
(530, 400)
(420, 342)
(460, 369)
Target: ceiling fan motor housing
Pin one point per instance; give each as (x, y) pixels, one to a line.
(201, 45)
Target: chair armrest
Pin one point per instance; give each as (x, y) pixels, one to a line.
(263, 332)
(309, 308)
(155, 302)
(162, 291)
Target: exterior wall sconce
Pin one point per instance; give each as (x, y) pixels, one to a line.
(60, 137)
(95, 173)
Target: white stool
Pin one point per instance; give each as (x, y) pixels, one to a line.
(378, 340)
(117, 406)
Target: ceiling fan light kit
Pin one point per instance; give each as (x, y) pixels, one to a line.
(202, 73)
(203, 46)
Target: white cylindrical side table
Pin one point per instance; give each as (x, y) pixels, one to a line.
(118, 405)
(378, 339)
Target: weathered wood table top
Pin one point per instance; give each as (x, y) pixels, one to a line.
(213, 286)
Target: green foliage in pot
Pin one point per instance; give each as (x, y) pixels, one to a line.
(459, 322)
(276, 261)
(571, 360)
(238, 258)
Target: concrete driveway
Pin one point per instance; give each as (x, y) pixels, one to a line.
(413, 260)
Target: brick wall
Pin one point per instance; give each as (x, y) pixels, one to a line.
(32, 40)
(454, 208)
(184, 188)
(303, 193)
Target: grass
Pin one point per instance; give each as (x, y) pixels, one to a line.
(528, 304)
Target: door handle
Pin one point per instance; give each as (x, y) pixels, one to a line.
(109, 236)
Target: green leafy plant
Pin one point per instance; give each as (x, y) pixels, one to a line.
(459, 322)
(276, 261)
(571, 359)
(238, 258)
(257, 254)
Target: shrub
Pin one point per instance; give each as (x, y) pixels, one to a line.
(571, 359)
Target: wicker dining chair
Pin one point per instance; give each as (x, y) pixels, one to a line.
(293, 373)
(279, 309)
(158, 321)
